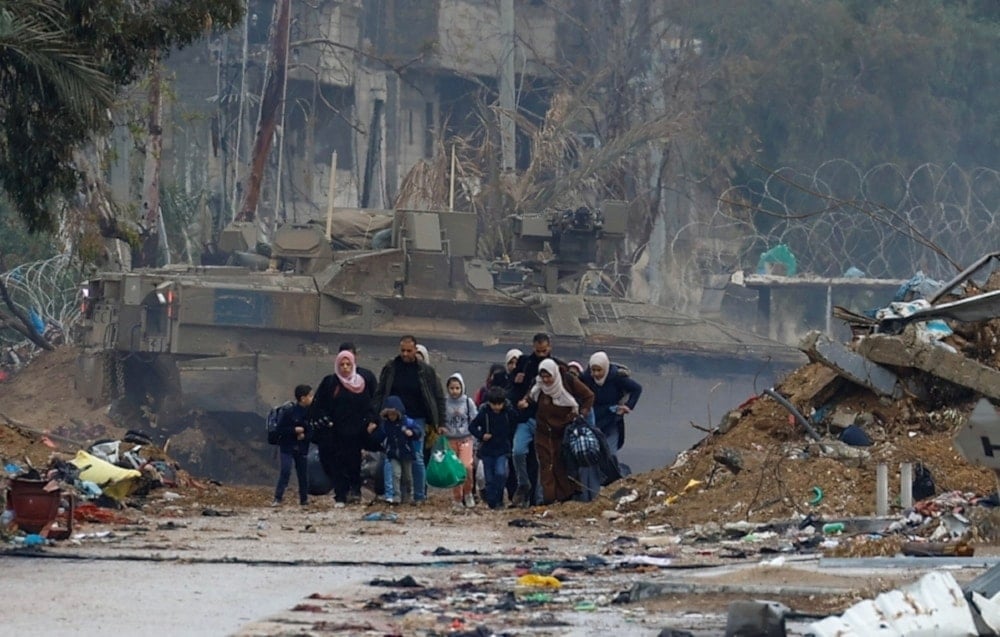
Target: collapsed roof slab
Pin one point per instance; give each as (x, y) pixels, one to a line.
(907, 350)
(851, 366)
(857, 369)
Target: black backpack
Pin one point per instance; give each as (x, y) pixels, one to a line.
(273, 418)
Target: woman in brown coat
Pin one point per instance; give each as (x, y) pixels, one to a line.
(561, 397)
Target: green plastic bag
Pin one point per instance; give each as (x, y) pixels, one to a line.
(778, 260)
(444, 470)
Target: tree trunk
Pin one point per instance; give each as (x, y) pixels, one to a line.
(149, 251)
(268, 110)
(23, 324)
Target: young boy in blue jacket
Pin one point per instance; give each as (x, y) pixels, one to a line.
(494, 428)
(397, 433)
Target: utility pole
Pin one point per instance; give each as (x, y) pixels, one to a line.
(269, 105)
(507, 107)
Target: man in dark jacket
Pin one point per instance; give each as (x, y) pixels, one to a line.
(418, 386)
(293, 446)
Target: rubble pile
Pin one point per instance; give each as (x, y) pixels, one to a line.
(855, 410)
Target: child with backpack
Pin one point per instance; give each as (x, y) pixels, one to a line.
(397, 433)
(494, 427)
(292, 435)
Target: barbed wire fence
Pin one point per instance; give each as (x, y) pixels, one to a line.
(48, 290)
(882, 221)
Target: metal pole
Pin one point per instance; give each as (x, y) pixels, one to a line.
(281, 128)
(243, 100)
(451, 185)
(330, 194)
(507, 126)
(882, 490)
(829, 310)
(906, 485)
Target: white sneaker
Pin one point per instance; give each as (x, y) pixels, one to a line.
(469, 501)
(339, 505)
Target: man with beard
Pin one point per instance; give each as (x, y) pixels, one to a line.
(418, 386)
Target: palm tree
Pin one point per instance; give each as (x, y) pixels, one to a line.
(53, 95)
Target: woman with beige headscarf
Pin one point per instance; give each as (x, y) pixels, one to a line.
(560, 397)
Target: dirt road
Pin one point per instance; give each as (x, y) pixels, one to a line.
(187, 568)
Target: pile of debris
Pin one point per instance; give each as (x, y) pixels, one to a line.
(809, 449)
(43, 503)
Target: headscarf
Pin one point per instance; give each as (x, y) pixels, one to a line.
(560, 397)
(512, 353)
(355, 382)
(575, 365)
(423, 352)
(600, 359)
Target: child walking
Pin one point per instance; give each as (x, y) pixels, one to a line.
(459, 412)
(494, 427)
(397, 433)
(294, 435)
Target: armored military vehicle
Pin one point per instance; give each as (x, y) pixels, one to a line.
(234, 339)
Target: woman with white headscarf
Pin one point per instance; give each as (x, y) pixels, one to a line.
(560, 397)
(615, 394)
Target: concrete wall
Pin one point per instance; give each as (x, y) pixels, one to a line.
(337, 22)
(469, 40)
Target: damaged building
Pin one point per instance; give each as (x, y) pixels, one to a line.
(374, 86)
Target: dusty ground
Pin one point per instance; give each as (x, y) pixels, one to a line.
(214, 524)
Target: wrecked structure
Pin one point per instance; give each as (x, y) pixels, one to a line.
(373, 86)
(902, 388)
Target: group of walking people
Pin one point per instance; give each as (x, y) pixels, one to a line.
(514, 426)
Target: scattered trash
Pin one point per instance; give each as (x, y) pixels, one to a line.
(523, 523)
(541, 581)
(381, 516)
(32, 539)
(216, 513)
(855, 436)
(817, 496)
(757, 618)
(403, 582)
(631, 496)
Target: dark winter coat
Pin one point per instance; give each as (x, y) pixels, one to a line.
(339, 414)
(501, 425)
(430, 387)
(391, 434)
(618, 389)
(294, 416)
